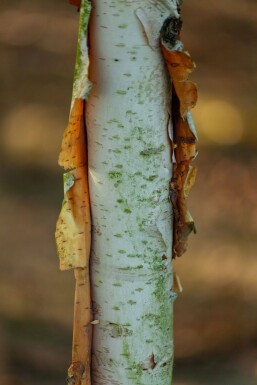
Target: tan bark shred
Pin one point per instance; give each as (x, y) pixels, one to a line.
(73, 149)
(184, 97)
(79, 371)
(177, 286)
(73, 239)
(73, 232)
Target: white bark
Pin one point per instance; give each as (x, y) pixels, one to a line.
(130, 165)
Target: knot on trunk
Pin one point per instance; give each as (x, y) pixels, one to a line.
(171, 29)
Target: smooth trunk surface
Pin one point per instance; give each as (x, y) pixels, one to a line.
(127, 118)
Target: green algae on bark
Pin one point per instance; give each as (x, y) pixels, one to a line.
(81, 83)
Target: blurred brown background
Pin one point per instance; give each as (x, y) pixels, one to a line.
(216, 315)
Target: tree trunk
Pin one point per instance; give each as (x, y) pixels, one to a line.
(127, 119)
(125, 246)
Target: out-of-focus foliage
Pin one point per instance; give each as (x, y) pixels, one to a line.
(216, 315)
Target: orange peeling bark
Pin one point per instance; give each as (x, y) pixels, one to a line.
(73, 238)
(184, 97)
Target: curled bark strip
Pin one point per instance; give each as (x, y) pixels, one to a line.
(73, 149)
(177, 286)
(73, 231)
(184, 97)
(183, 178)
(180, 65)
(79, 371)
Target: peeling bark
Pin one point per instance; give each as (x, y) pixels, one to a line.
(73, 231)
(184, 97)
(139, 149)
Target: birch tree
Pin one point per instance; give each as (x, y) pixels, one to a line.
(127, 151)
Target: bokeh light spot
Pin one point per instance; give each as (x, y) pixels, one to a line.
(31, 134)
(221, 122)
